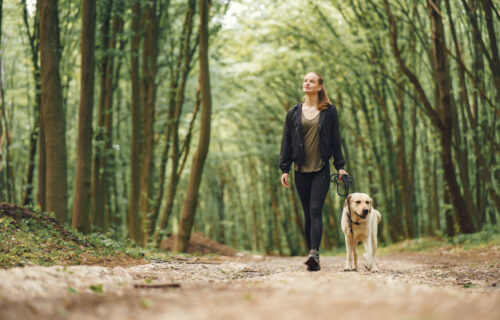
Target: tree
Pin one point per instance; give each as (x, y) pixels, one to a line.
(34, 41)
(148, 94)
(53, 117)
(81, 206)
(134, 216)
(189, 207)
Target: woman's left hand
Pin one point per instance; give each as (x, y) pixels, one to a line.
(341, 173)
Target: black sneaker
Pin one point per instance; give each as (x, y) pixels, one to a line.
(312, 261)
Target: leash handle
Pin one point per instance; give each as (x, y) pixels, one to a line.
(346, 180)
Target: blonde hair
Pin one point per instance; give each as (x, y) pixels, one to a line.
(323, 100)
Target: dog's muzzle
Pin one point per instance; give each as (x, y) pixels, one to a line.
(365, 213)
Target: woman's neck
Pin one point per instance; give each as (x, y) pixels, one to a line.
(311, 100)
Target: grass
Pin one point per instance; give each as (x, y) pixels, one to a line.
(29, 238)
(489, 236)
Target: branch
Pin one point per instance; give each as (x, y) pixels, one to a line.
(413, 78)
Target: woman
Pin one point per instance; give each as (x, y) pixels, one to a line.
(310, 138)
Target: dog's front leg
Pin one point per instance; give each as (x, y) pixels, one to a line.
(373, 241)
(348, 258)
(368, 254)
(355, 254)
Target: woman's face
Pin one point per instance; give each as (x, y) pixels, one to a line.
(311, 84)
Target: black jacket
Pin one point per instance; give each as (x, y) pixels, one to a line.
(292, 143)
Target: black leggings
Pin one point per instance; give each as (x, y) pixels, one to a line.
(313, 188)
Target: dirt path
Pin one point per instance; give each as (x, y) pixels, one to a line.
(437, 285)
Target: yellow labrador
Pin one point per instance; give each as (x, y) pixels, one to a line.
(365, 220)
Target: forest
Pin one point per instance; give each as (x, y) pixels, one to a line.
(140, 119)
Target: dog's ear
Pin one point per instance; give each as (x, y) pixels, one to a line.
(371, 203)
(346, 200)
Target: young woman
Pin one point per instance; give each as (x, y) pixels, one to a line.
(310, 138)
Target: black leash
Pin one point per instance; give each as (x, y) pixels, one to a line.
(346, 181)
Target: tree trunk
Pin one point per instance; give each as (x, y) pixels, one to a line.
(494, 61)
(4, 179)
(148, 91)
(7, 181)
(134, 216)
(108, 158)
(189, 207)
(185, 58)
(42, 165)
(99, 189)
(403, 166)
(52, 111)
(448, 214)
(463, 208)
(34, 136)
(81, 206)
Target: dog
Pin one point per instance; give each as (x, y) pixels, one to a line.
(365, 220)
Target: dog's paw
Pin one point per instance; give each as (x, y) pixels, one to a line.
(349, 268)
(374, 269)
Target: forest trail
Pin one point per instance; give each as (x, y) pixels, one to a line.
(433, 285)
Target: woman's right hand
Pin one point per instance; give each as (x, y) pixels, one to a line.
(284, 180)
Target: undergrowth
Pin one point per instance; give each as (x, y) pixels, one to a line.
(489, 236)
(29, 238)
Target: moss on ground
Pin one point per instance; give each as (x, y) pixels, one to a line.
(488, 237)
(31, 238)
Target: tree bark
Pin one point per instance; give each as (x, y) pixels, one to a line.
(100, 191)
(148, 93)
(494, 61)
(34, 40)
(42, 165)
(52, 111)
(81, 205)
(134, 216)
(462, 208)
(189, 207)
(185, 57)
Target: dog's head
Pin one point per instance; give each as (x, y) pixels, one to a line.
(361, 205)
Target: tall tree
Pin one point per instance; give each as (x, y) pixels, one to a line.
(4, 184)
(189, 207)
(441, 115)
(148, 94)
(52, 111)
(7, 181)
(447, 125)
(81, 206)
(134, 216)
(100, 191)
(181, 70)
(34, 41)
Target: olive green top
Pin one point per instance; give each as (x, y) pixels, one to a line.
(313, 161)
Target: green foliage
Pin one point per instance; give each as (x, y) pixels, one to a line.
(38, 240)
(29, 238)
(489, 236)
(72, 290)
(258, 58)
(97, 288)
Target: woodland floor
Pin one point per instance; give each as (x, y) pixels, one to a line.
(439, 284)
